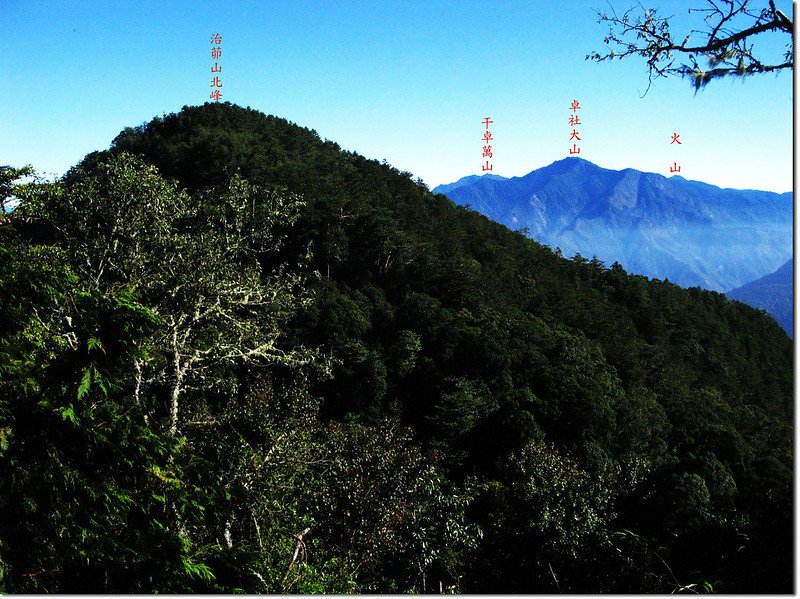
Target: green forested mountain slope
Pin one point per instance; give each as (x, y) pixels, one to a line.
(449, 402)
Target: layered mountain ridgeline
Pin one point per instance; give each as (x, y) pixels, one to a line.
(465, 181)
(689, 232)
(296, 369)
(772, 293)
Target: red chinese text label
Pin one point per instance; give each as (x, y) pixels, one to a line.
(574, 120)
(216, 54)
(487, 147)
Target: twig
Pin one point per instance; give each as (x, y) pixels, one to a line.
(299, 549)
(554, 576)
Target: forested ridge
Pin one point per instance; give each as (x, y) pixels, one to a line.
(235, 358)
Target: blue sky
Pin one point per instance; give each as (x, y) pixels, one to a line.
(406, 81)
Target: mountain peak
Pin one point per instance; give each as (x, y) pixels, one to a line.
(572, 160)
(694, 233)
(468, 180)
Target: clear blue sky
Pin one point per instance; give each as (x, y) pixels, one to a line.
(407, 81)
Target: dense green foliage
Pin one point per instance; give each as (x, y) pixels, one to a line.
(262, 363)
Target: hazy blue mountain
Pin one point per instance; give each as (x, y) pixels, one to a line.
(689, 232)
(772, 293)
(469, 179)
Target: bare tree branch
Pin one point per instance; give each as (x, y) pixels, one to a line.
(730, 24)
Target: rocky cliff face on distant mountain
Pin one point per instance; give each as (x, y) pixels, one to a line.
(691, 233)
(772, 293)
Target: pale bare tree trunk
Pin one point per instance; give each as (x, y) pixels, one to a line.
(176, 386)
(173, 410)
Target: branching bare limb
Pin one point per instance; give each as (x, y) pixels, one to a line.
(724, 43)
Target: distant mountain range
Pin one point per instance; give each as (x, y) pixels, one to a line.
(469, 179)
(691, 233)
(772, 293)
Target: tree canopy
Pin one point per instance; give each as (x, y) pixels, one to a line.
(236, 358)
